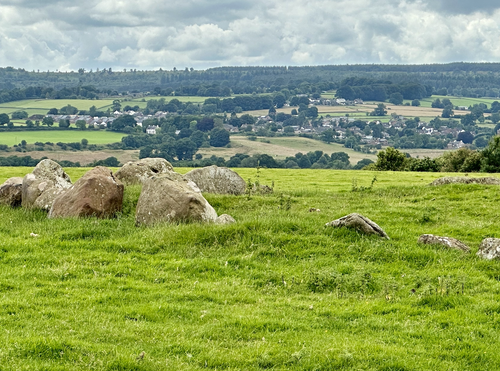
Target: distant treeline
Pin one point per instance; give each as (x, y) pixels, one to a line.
(465, 79)
(380, 90)
(310, 160)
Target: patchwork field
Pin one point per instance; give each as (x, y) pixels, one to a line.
(277, 290)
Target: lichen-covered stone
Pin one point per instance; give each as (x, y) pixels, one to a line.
(452, 243)
(225, 219)
(465, 180)
(165, 200)
(11, 192)
(489, 249)
(98, 193)
(136, 172)
(218, 180)
(360, 223)
(41, 187)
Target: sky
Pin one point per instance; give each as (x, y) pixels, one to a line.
(67, 35)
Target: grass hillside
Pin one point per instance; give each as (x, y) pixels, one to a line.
(277, 290)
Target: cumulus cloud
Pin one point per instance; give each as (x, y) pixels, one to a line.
(148, 34)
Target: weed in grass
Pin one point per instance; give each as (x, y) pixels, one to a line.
(356, 188)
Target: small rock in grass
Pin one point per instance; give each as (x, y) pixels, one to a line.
(360, 223)
(465, 180)
(452, 243)
(225, 219)
(489, 249)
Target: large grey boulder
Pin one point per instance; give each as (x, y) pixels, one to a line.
(449, 242)
(489, 249)
(360, 223)
(136, 172)
(218, 180)
(11, 192)
(40, 188)
(165, 200)
(98, 193)
(465, 180)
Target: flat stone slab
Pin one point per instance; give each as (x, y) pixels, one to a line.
(465, 180)
(360, 223)
(452, 243)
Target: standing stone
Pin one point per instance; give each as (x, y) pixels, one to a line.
(136, 172)
(452, 243)
(489, 249)
(218, 180)
(40, 188)
(360, 223)
(165, 200)
(11, 192)
(98, 193)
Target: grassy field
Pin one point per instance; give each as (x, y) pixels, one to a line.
(281, 147)
(83, 157)
(457, 101)
(42, 106)
(65, 136)
(277, 290)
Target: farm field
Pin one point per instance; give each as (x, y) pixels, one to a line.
(457, 101)
(280, 148)
(93, 136)
(83, 157)
(277, 290)
(41, 106)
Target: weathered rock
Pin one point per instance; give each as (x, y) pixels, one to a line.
(165, 200)
(98, 193)
(136, 172)
(11, 192)
(219, 180)
(489, 249)
(360, 223)
(452, 243)
(465, 180)
(225, 219)
(40, 188)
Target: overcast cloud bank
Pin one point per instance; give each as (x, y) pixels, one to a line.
(147, 34)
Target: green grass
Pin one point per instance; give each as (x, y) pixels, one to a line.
(41, 106)
(457, 101)
(277, 290)
(54, 136)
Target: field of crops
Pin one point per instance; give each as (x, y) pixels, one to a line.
(277, 290)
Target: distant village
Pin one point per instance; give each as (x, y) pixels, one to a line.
(337, 124)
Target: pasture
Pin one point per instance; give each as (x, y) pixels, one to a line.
(277, 290)
(66, 136)
(281, 147)
(42, 106)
